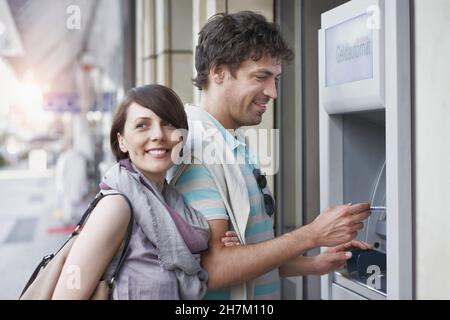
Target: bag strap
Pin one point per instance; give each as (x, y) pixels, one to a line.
(77, 229)
(86, 215)
(126, 243)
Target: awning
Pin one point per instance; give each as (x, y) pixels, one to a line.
(10, 42)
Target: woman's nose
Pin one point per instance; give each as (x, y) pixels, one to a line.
(156, 133)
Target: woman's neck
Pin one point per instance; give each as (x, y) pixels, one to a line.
(157, 180)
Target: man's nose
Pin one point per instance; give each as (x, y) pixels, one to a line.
(271, 90)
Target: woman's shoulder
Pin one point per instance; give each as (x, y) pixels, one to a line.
(114, 205)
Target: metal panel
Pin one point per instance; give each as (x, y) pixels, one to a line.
(341, 293)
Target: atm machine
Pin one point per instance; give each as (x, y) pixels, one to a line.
(365, 141)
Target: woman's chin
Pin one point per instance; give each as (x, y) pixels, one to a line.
(156, 168)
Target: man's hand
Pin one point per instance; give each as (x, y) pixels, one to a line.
(336, 257)
(338, 224)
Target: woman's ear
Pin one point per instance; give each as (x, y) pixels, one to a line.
(122, 145)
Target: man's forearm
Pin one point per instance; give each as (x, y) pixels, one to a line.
(300, 266)
(229, 266)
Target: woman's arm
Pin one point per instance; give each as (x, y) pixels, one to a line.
(94, 249)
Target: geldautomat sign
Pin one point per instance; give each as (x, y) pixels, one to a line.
(349, 51)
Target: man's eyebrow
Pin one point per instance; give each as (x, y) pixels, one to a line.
(266, 72)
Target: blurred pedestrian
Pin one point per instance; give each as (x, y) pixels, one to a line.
(72, 184)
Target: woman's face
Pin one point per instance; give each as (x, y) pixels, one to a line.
(148, 140)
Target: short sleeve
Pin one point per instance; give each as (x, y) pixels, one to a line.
(200, 192)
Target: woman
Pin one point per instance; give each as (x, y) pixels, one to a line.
(163, 260)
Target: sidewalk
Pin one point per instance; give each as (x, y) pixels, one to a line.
(28, 227)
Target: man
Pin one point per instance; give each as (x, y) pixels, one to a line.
(238, 61)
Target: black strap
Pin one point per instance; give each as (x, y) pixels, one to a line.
(41, 265)
(128, 236)
(126, 244)
(79, 225)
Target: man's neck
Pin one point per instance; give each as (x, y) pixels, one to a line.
(215, 107)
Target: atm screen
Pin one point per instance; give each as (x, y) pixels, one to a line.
(349, 51)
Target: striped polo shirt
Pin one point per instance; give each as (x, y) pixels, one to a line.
(199, 191)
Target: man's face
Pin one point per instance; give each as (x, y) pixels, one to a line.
(247, 94)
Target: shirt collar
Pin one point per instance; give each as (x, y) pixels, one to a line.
(232, 141)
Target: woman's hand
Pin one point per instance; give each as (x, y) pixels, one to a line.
(230, 239)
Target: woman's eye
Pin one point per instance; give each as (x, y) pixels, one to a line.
(141, 125)
(167, 124)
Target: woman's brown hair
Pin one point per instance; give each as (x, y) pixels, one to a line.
(163, 101)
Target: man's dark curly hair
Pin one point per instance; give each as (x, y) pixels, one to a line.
(230, 39)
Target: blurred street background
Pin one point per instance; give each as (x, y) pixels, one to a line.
(27, 227)
(63, 67)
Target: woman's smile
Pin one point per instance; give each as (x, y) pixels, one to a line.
(158, 152)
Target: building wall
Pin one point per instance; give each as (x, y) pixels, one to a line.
(432, 148)
(264, 7)
(182, 48)
(164, 46)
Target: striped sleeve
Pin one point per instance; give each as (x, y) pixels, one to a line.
(200, 192)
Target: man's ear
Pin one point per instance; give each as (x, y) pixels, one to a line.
(217, 73)
(122, 145)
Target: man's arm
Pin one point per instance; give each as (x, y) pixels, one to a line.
(231, 265)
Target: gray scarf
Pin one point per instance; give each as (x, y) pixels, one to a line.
(162, 226)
